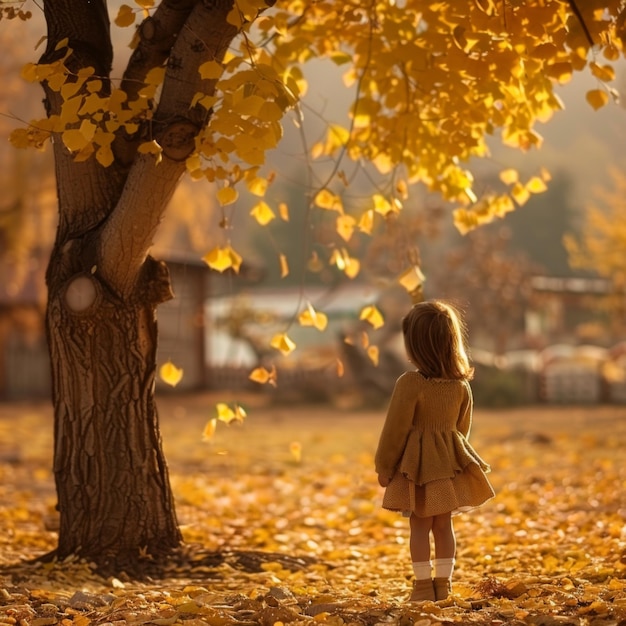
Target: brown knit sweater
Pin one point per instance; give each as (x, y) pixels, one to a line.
(425, 435)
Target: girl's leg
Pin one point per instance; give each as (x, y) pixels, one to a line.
(443, 534)
(420, 556)
(445, 551)
(420, 538)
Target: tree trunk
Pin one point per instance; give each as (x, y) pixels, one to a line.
(114, 498)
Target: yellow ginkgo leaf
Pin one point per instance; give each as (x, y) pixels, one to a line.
(125, 16)
(344, 262)
(104, 156)
(373, 354)
(257, 186)
(283, 343)
(74, 140)
(352, 267)
(227, 195)
(151, 147)
(284, 266)
(509, 176)
(170, 374)
(412, 279)
(155, 76)
(263, 376)
(283, 211)
(520, 194)
(366, 223)
(317, 149)
(235, 17)
(372, 315)
(221, 259)
(227, 414)
(345, 226)
(381, 204)
(536, 185)
(262, 213)
(340, 369)
(311, 317)
(326, 199)
(545, 174)
(597, 98)
(211, 70)
(224, 412)
(209, 430)
(295, 447)
(605, 73)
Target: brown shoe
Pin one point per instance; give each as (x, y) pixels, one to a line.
(442, 587)
(423, 590)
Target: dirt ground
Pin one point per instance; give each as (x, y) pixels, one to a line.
(299, 481)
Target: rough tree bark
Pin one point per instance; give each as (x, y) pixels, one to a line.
(114, 497)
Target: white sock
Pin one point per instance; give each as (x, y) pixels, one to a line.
(421, 569)
(443, 568)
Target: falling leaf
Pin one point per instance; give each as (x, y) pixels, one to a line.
(263, 376)
(257, 186)
(412, 279)
(344, 262)
(125, 16)
(221, 259)
(372, 315)
(340, 369)
(373, 354)
(284, 266)
(283, 211)
(170, 374)
(283, 343)
(209, 430)
(227, 414)
(311, 317)
(295, 447)
(262, 213)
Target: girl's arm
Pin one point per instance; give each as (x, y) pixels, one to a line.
(464, 423)
(396, 429)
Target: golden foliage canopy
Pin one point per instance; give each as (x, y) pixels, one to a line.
(431, 81)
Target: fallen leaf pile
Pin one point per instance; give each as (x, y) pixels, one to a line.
(283, 525)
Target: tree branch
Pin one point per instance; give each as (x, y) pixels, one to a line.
(129, 231)
(581, 19)
(86, 27)
(157, 34)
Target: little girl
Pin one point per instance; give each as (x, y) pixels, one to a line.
(424, 459)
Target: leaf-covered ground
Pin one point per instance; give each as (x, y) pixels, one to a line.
(283, 522)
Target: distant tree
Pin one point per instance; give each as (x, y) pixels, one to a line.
(204, 92)
(491, 282)
(600, 246)
(537, 228)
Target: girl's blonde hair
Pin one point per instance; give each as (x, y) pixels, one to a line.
(434, 337)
